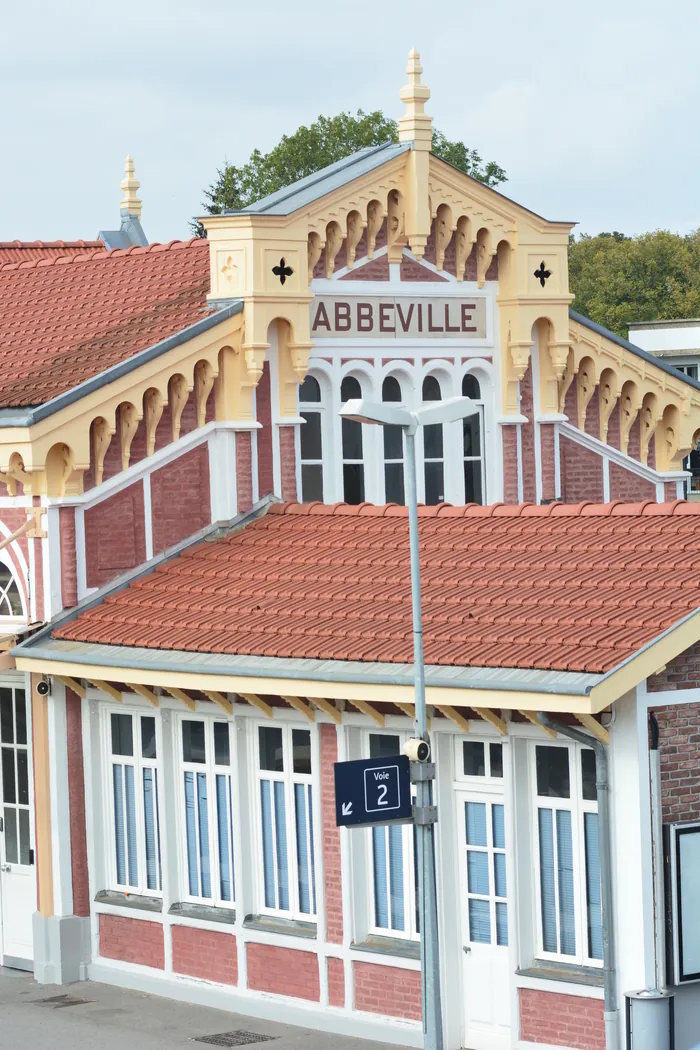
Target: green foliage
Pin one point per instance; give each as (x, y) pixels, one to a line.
(325, 141)
(618, 279)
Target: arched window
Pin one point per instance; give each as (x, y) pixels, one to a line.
(433, 448)
(393, 448)
(311, 440)
(472, 445)
(353, 463)
(10, 598)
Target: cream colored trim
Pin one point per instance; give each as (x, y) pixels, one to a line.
(372, 712)
(217, 698)
(42, 798)
(108, 688)
(255, 701)
(408, 709)
(76, 687)
(534, 718)
(492, 718)
(180, 695)
(298, 704)
(454, 716)
(593, 726)
(327, 707)
(146, 693)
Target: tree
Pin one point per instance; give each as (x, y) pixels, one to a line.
(325, 141)
(618, 279)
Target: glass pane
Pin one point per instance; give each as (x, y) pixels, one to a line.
(13, 596)
(391, 389)
(479, 922)
(552, 772)
(472, 482)
(499, 874)
(588, 785)
(150, 829)
(271, 756)
(350, 388)
(471, 431)
(383, 745)
(353, 483)
(381, 884)
(473, 758)
(267, 843)
(432, 441)
(11, 851)
(7, 729)
(222, 753)
(303, 859)
(148, 737)
(130, 800)
(470, 388)
(119, 833)
(21, 716)
(434, 486)
(478, 872)
(501, 924)
(193, 744)
(311, 483)
(431, 389)
(498, 826)
(396, 888)
(476, 823)
(24, 836)
(496, 758)
(9, 787)
(281, 845)
(393, 443)
(191, 832)
(593, 905)
(547, 890)
(393, 483)
(310, 436)
(122, 735)
(301, 751)
(203, 824)
(22, 778)
(565, 881)
(352, 439)
(224, 836)
(309, 391)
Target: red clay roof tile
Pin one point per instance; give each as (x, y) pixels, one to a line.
(25, 251)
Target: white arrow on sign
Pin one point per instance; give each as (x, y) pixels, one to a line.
(346, 809)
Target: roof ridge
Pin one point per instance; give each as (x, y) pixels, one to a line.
(586, 509)
(79, 243)
(101, 254)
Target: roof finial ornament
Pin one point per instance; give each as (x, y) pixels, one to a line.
(415, 125)
(130, 204)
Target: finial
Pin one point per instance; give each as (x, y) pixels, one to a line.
(415, 126)
(130, 204)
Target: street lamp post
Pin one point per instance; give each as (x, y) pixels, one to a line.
(384, 414)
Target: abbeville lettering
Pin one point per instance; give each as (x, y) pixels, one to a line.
(398, 317)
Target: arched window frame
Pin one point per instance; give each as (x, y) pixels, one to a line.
(491, 454)
(392, 446)
(316, 415)
(473, 474)
(368, 459)
(6, 586)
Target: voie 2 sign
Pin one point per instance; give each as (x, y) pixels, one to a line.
(398, 317)
(373, 791)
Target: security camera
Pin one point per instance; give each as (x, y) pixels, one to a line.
(42, 687)
(417, 750)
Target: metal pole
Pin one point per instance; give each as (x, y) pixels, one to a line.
(425, 833)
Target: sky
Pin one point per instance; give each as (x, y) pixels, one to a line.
(590, 106)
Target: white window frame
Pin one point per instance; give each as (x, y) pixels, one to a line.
(409, 932)
(290, 779)
(577, 806)
(139, 764)
(488, 783)
(482, 438)
(445, 392)
(211, 771)
(384, 461)
(321, 408)
(364, 461)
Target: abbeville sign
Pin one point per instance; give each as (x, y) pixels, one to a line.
(399, 317)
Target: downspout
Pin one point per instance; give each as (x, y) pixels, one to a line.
(612, 1037)
(657, 854)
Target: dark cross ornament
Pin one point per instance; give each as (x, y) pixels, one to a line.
(540, 274)
(283, 271)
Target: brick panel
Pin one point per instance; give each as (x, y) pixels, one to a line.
(115, 535)
(288, 463)
(510, 464)
(69, 566)
(613, 437)
(561, 1020)
(42, 613)
(180, 499)
(244, 471)
(76, 805)
(581, 473)
(683, 672)
(413, 271)
(283, 971)
(263, 414)
(205, 953)
(630, 487)
(528, 436)
(670, 492)
(547, 440)
(336, 982)
(331, 837)
(592, 424)
(387, 990)
(132, 941)
(679, 744)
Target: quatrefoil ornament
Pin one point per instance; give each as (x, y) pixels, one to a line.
(282, 271)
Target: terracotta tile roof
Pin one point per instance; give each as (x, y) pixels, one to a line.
(66, 319)
(573, 588)
(24, 251)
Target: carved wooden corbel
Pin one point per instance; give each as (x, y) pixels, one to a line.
(9, 483)
(334, 242)
(153, 410)
(177, 398)
(463, 244)
(299, 354)
(609, 394)
(101, 438)
(630, 402)
(314, 252)
(396, 227)
(255, 359)
(520, 356)
(17, 472)
(650, 417)
(128, 425)
(484, 254)
(585, 389)
(375, 218)
(204, 376)
(443, 233)
(566, 379)
(355, 226)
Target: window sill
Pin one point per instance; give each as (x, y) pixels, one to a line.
(129, 900)
(203, 912)
(550, 971)
(271, 924)
(396, 946)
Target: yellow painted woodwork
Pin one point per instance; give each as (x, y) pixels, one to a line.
(300, 705)
(75, 687)
(533, 717)
(408, 709)
(594, 727)
(221, 701)
(328, 708)
(146, 693)
(255, 701)
(108, 688)
(368, 709)
(492, 718)
(182, 696)
(42, 799)
(454, 716)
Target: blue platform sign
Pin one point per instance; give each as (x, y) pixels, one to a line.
(373, 791)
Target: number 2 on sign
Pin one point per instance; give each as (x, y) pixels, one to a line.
(381, 797)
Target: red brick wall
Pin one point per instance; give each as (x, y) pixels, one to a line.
(244, 471)
(336, 982)
(180, 498)
(528, 437)
(592, 424)
(263, 411)
(331, 837)
(205, 953)
(613, 437)
(387, 990)
(628, 486)
(670, 491)
(581, 473)
(283, 971)
(683, 672)
(510, 463)
(115, 535)
(288, 463)
(679, 744)
(76, 805)
(69, 566)
(561, 1020)
(132, 941)
(38, 581)
(547, 439)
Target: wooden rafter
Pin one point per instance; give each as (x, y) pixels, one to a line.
(327, 707)
(300, 705)
(181, 696)
(220, 700)
(492, 718)
(146, 693)
(255, 701)
(533, 717)
(76, 687)
(593, 726)
(408, 709)
(367, 709)
(454, 716)
(108, 688)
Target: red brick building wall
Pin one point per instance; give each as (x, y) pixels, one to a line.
(115, 535)
(628, 486)
(561, 1020)
(547, 440)
(283, 971)
(205, 953)
(288, 464)
(76, 805)
(244, 471)
(132, 940)
(69, 565)
(336, 982)
(510, 464)
(331, 837)
(528, 437)
(581, 473)
(180, 498)
(387, 990)
(263, 412)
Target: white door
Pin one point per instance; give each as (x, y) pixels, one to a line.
(485, 963)
(17, 871)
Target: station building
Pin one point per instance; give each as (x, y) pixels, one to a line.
(206, 603)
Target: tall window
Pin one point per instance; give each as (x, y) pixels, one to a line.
(353, 462)
(569, 861)
(394, 875)
(287, 821)
(393, 448)
(311, 441)
(433, 451)
(10, 598)
(472, 445)
(15, 842)
(135, 803)
(208, 810)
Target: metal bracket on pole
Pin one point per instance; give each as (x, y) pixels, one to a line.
(425, 815)
(421, 771)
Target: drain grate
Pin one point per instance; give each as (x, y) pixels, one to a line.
(239, 1038)
(60, 1001)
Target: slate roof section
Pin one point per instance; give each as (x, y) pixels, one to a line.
(27, 251)
(66, 319)
(566, 588)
